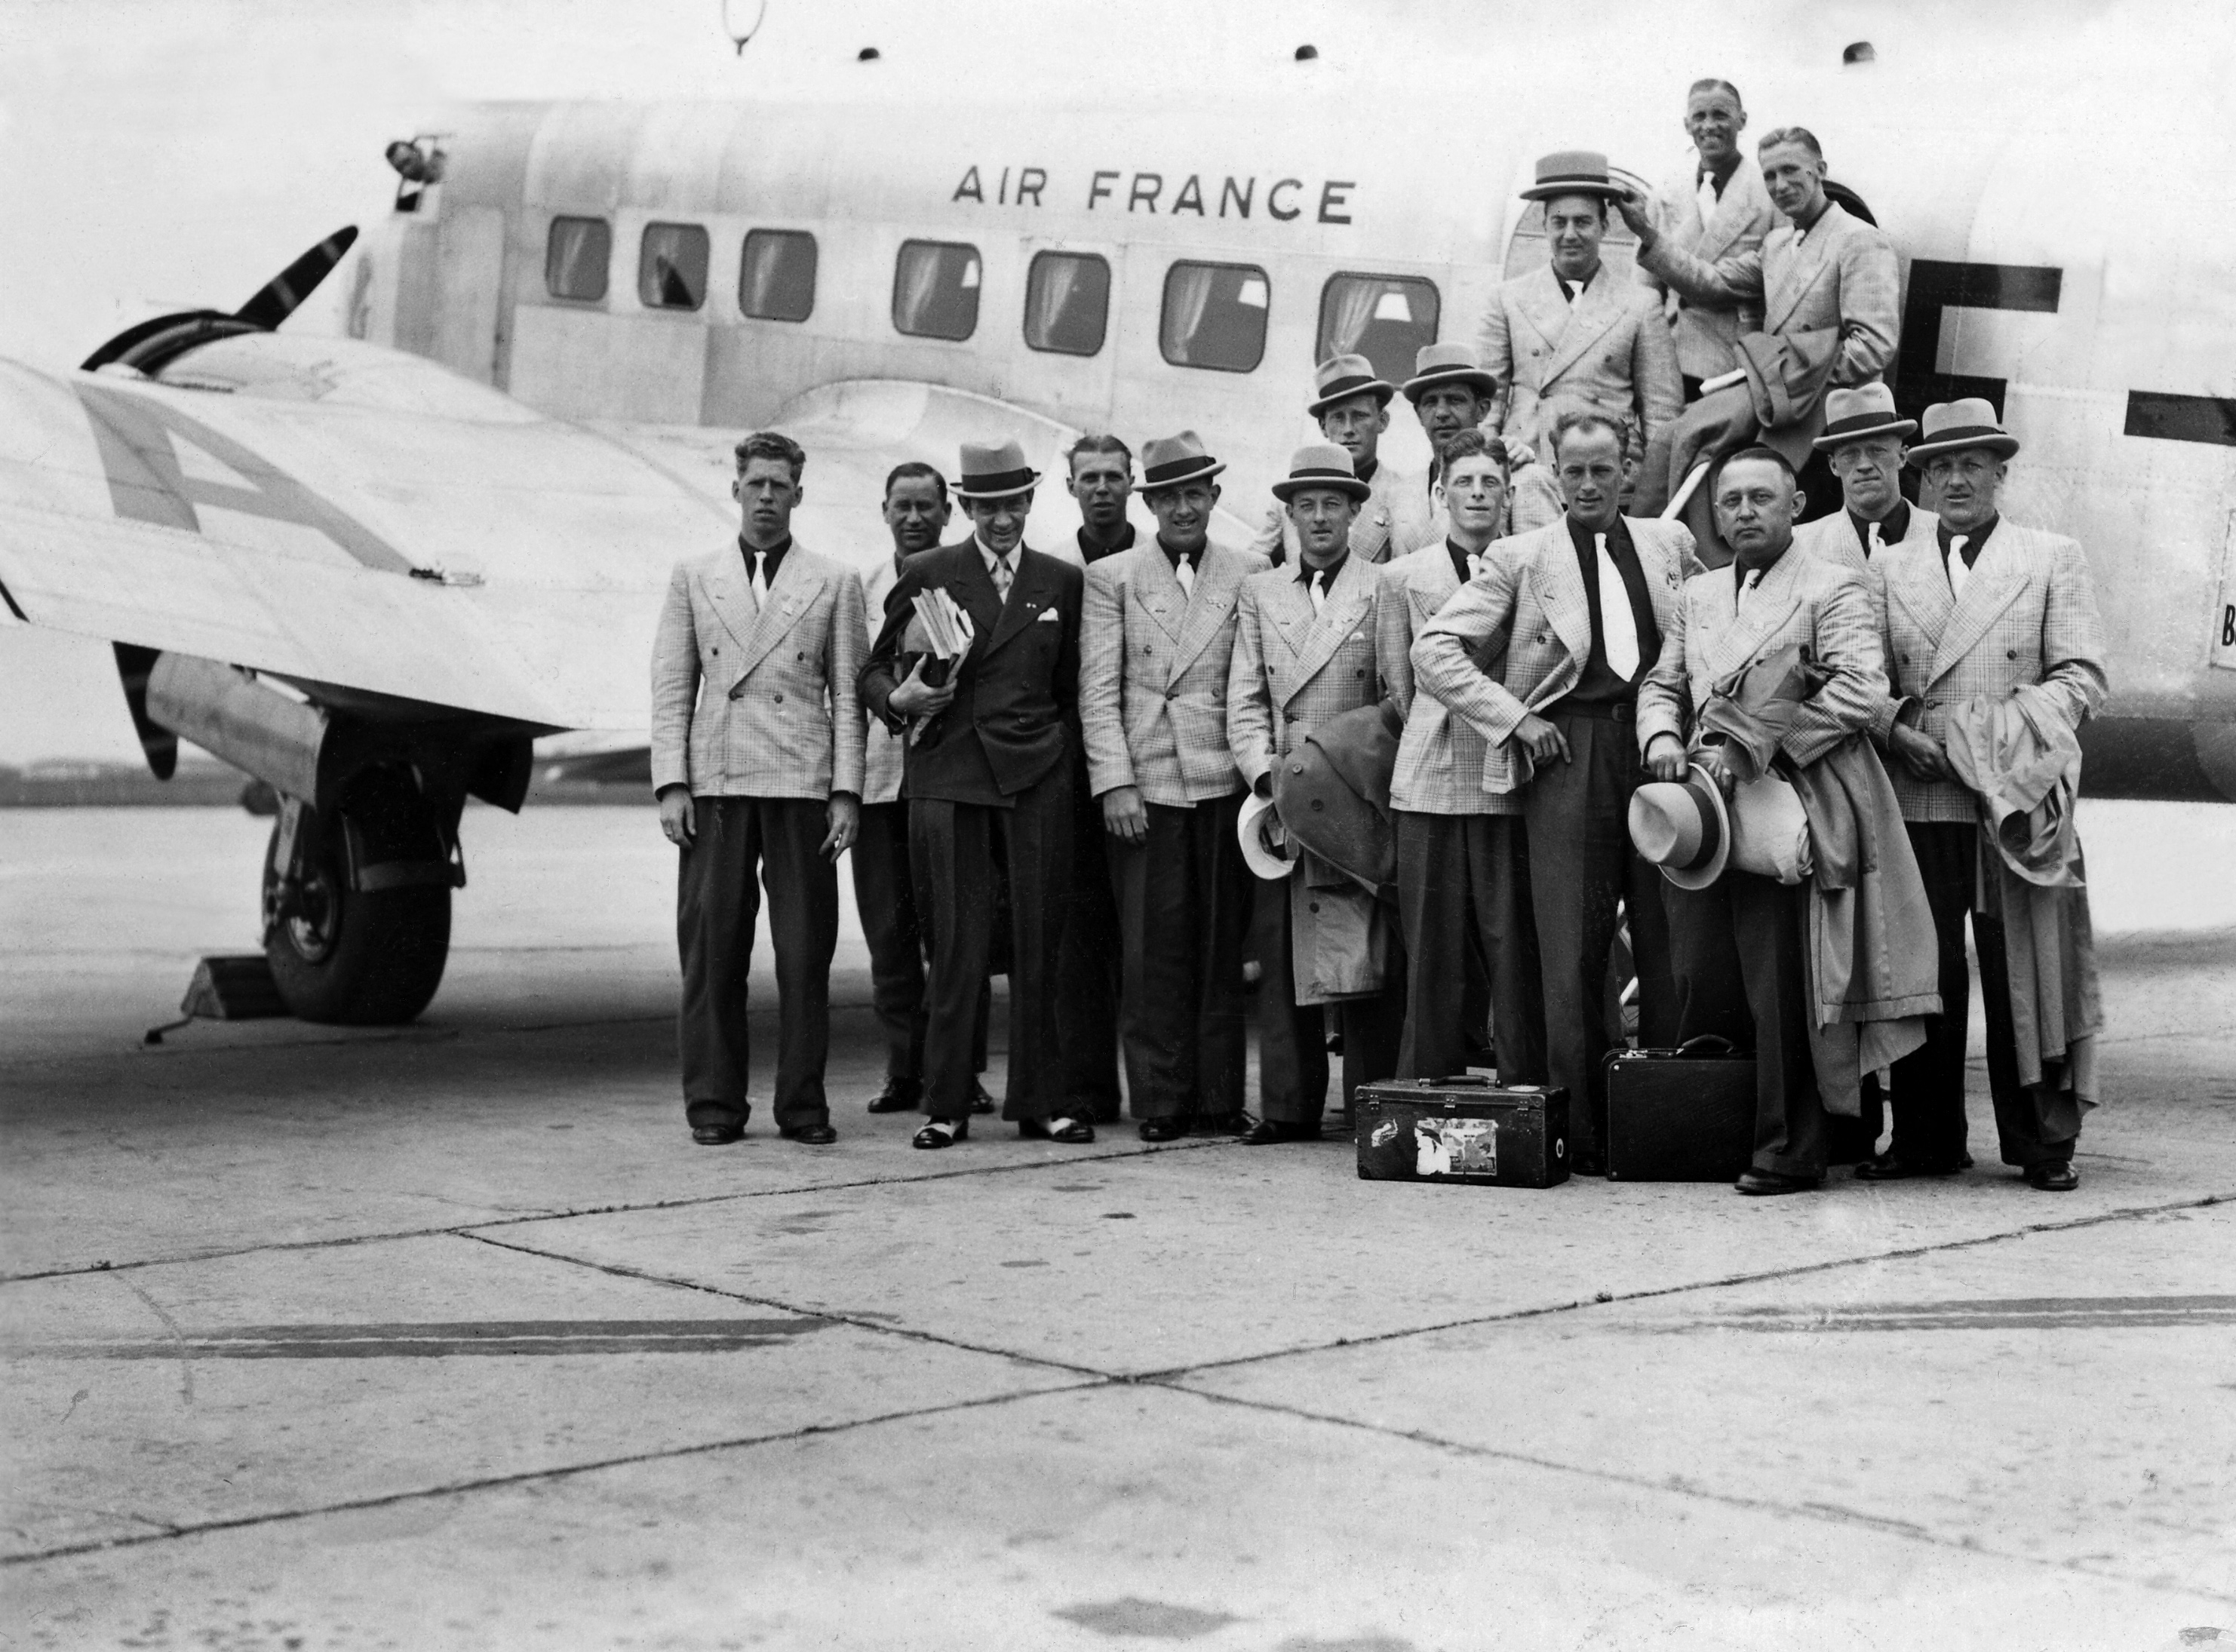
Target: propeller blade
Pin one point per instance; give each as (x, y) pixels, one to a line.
(276, 300)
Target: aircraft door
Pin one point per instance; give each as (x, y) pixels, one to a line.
(472, 293)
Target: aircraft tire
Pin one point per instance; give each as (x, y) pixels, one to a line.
(352, 957)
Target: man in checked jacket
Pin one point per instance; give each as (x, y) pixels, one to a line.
(757, 742)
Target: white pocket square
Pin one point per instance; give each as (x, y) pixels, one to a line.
(1047, 616)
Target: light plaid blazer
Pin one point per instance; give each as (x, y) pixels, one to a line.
(1609, 349)
(1532, 588)
(1393, 520)
(884, 752)
(1704, 333)
(1833, 539)
(778, 716)
(1152, 673)
(1292, 670)
(2028, 616)
(1802, 599)
(1840, 275)
(1440, 758)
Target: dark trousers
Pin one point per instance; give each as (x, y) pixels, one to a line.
(1088, 966)
(1739, 947)
(1292, 1057)
(2035, 1124)
(718, 898)
(1184, 904)
(1464, 904)
(884, 893)
(955, 850)
(1581, 863)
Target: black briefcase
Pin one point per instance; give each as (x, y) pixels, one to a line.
(1465, 1129)
(1682, 1114)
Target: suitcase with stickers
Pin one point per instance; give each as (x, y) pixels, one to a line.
(1466, 1128)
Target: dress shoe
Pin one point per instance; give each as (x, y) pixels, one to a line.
(2052, 1178)
(1891, 1167)
(981, 1102)
(1169, 1128)
(1219, 1124)
(812, 1135)
(942, 1133)
(1072, 1132)
(1763, 1183)
(1266, 1131)
(899, 1095)
(717, 1136)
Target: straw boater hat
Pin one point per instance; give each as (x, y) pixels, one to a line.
(1321, 465)
(1256, 828)
(1970, 422)
(1573, 172)
(1170, 460)
(1447, 364)
(1683, 827)
(1340, 377)
(1866, 410)
(993, 472)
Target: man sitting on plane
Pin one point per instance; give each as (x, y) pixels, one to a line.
(1352, 407)
(1715, 207)
(759, 781)
(1452, 394)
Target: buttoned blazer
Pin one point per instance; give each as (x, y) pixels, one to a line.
(1704, 333)
(1841, 275)
(1609, 349)
(1833, 539)
(2027, 618)
(1153, 673)
(777, 714)
(1291, 669)
(1802, 599)
(883, 751)
(1531, 590)
(1392, 520)
(1016, 711)
(1440, 758)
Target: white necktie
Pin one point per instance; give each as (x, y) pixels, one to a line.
(1477, 561)
(1003, 575)
(1184, 572)
(1874, 545)
(1708, 200)
(1317, 587)
(1958, 571)
(1618, 627)
(759, 580)
(1748, 580)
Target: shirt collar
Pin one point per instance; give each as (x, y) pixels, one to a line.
(1799, 230)
(775, 553)
(1366, 471)
(986, 556)
(1583, 535)
(1091, 550)
(1739, 575)
(1974, 540)
(1463, 558)
(1195, 558)
(1892, 528)
(1305, 570)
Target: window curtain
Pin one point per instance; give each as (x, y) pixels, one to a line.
(919, 281)
(1059, 277)
(581, 272)
(1351, 314)
(766, 257)
(1188, 292)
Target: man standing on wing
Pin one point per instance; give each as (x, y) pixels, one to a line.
(1715, 209)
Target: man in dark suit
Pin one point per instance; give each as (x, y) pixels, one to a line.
(989, 783)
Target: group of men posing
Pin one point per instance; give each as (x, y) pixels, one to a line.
(1065, 802)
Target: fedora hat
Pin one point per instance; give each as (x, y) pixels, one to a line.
(993, 472)
(1683, 827)
(1868, 410)
(1340, 377)
(1573, 172)
(1321, 465)
(1265, 850)
(1447, 364)
(1170, 460)
(1968, 421)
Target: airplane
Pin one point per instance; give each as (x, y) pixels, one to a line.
(373, 569)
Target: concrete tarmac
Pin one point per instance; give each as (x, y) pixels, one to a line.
(448, 1337)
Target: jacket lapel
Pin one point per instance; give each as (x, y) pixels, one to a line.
(1595, 310)
(972, 587)
(1290, 610)
(1218, 578)
(1767, 610)
(1566, 605)
(732, 597)
(1995, 582)
(1798, 270)
(1916, 583)
(1743, 196)
(788, 598)
(1348, 602)
(1543, 307)
(1032, 591)
(1158, 589)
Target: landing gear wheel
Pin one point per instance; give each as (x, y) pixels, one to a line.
(358, 956)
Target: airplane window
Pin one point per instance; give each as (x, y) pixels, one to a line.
(576, 257)
(1067, 303)
(776, 279)
(1214, 316)
(1384, 318)
(935, 290)
(671, 266)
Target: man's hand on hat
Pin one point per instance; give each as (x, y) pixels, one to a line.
(1540, 740)
(1518, 452)
(1124, 816)
(1665, 757)
(1632, 206)
(1718, 770)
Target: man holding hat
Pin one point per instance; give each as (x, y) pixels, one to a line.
(1739, 941)
(1158, 638)
(1979, 608)
(1462, 861)
(1573, 332)
(988, 782)
(1586, 602)
(1452, 394)
(1715, 207)
(1352, 405)
(1305, 651)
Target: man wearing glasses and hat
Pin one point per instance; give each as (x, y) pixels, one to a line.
(1452, 394)
(1159, 635)
(1352, 405)
(1573, 332)
(1304, 652)
(988, 779)
(1981, 613)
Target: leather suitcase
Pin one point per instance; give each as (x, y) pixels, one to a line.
(1682, 1114)
(1465, 1129)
